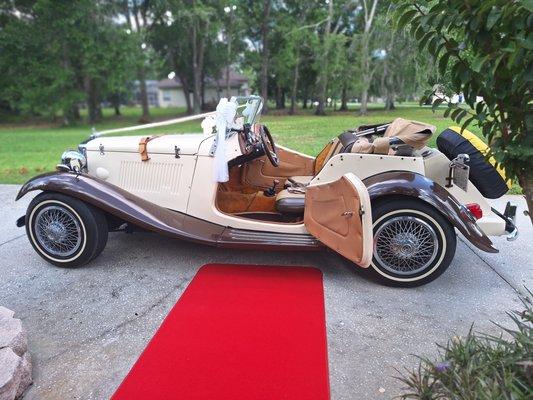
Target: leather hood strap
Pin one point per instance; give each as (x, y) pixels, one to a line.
(143, 151)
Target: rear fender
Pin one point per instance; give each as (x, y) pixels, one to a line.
(126, 206)
(405, 183)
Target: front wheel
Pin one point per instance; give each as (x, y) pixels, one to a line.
(65, 231)
(413, 242)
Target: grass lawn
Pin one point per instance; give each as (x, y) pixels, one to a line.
(30, 148)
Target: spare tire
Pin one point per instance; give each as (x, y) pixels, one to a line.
(490, 182)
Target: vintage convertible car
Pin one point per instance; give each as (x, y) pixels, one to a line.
(377, 194)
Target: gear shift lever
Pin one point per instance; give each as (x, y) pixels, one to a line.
(271, 191)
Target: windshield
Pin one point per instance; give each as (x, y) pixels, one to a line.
(248, 109)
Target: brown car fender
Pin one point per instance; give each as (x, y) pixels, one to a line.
(405, 183)
(126, 206)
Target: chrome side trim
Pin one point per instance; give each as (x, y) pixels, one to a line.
(270, 238)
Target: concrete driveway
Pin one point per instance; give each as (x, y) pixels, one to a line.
(87, 326)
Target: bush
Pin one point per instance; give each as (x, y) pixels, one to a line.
(480, 366)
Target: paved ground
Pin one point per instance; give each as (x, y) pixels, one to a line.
(87, 326)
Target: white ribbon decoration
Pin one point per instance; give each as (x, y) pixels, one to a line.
(208, 124)
(224, 118)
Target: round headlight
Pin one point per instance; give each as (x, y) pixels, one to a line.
(74, 160)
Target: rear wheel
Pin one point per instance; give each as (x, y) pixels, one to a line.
(413, 242)
(65, 231)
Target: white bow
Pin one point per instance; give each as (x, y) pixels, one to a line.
(225, 115)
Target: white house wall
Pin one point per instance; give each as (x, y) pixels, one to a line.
(172, 98)
(176, 98)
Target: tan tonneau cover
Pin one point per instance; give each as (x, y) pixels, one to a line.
(413, 133)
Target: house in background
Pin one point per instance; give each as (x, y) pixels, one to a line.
(152, 93)
(171, 94)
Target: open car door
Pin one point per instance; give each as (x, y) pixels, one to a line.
(339, 215)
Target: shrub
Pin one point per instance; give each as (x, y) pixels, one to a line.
(479, 366)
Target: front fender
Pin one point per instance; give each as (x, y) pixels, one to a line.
(411, 184)
(126, 206)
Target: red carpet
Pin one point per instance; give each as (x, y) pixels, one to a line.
(238, 332)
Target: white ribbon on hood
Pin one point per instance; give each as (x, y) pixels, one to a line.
(225, 115)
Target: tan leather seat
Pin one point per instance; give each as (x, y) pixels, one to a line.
(290, 202)
(331, 149)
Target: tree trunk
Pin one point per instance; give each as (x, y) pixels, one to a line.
(197, 73)
(295, 77)
(526, 182)
(363, 110)
(198, 43)
(145, 117)
(280, 98)
(323, 74)
(365, 55)
(115, 102)
(265, 54)
(141, 72)
(93, 103)
(202, 90)
(344, 98)
(182, 76)
(71, 114)
(389, 102)
(228, 89)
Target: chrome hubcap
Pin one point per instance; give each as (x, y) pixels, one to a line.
(405, 245)
(58, 231)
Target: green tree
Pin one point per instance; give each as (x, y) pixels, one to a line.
(401, 70)
(56, 55)
(486, 47)
(369, 13)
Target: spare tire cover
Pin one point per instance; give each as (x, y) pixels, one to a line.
(483, 175)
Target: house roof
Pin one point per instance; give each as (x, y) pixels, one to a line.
(236, 79)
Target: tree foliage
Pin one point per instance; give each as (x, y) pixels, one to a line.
(58, 56)
(486, 48)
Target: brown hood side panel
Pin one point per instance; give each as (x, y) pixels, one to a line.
(406, 183)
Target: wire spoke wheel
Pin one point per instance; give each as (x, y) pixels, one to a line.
(405, 245)
(58, 231)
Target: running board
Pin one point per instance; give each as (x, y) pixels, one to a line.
(241, 238)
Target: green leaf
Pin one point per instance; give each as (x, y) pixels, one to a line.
(478, 62)
(528, 4)
(529, 122)
(436, 103)
(406, 17)
(460, 116)
(466, 123)
(425, 39)
(527, 43)
(493, 17)
(529, 73)
(432, 45)
(455, 113)
(418, 32)
(443, 62)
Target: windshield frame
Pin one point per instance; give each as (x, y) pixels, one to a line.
(253, 105)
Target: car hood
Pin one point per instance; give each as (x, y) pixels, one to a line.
(165, 144)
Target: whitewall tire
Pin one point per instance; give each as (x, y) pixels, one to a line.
(413, 242)
(65, 231)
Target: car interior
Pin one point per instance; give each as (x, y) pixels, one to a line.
(268, 183)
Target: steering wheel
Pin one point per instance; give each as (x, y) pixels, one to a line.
(268, 145)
